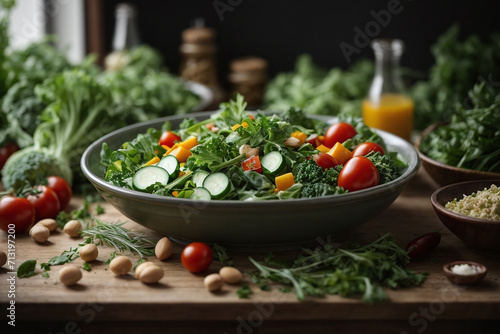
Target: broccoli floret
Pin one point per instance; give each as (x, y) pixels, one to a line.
(331, 175)
(308, 171)
(32, 165)
(319, 189)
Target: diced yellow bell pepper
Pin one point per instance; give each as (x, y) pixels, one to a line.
(340, 153)
(244, 124)
(189, 143)
(285, 181)
(181, 154)
(171, 149)
(300, 136)
(323, 148)
(153, 161)
(234, 127)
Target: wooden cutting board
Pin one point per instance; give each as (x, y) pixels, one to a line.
(102, 302)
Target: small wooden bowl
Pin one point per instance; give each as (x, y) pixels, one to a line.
(444, 174)
(465, 279)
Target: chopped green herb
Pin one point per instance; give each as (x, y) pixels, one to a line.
(26, 269)
(220, 254)
(86, 266)
(244, 291)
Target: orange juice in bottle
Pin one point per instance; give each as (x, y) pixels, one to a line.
(387, 107)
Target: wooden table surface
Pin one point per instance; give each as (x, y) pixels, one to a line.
(103, 303)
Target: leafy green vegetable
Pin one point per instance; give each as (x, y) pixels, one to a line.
(318, 91)
(352, 270)
(244, 291)
(459, 65)
(471, 138)
(26, 269)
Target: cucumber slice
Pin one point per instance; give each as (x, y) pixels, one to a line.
(199, 177)
(273, 163)
(201, 194)
(171, 165)
(147, 176)
(217, 184)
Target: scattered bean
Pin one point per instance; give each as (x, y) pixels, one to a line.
(3, 258)
(49, 223)
(230, 275)
(213, 282)
(163, 249)
(72, 227)
(120, 265)
(88, 253)
(40, 233)
(69, 274)
(248, 150)
(149, 272)
(292, 142)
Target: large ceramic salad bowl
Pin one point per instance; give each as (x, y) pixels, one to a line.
(242, 225)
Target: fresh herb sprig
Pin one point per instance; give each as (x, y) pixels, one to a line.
(347, 271)
(120, 238)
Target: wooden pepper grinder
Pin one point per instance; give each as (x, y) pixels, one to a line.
(249, 78)
(198, 62)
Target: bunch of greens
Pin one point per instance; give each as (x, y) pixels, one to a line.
(352, 270)
(77, 113)
(142, 89)
(320, 91)
(471, 138)
(459, 65)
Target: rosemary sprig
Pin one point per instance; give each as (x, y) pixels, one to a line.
(120, 238)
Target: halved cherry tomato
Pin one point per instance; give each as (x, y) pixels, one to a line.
(325, 160)
(197, 257)
(6, 151)
(46, 203)
(252, 163)
(168, 138)
(358, 173)
(17, 211)
(62, 190)
(339, 132)
(367, 147)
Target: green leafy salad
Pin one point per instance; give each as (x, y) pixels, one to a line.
(236, 155)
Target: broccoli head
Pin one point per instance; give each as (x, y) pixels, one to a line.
(33, 165)
(308, 171)
(331, 175)
(310, 190)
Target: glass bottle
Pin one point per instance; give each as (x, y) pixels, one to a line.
(125, 37)
(387, 106)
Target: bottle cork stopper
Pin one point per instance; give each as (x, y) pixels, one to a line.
(198, 35)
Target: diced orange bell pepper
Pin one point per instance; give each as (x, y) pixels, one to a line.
(181, 154)
(153, 161)
(175, 193)
(171, 149)
(323, 148)
(252, 163)
(300, 136)
(285, 181)
(319, 140)
(340, 154)
(165, 147)
(189, 143)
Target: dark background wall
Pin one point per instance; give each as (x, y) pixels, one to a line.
(280, 30)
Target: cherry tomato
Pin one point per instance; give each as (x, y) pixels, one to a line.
(168, 138)
(422, 246)
(339, 132)
(358, 173)
(6, 151)
(17, 211)
(324, 160)
(62, 190)
(46, 203)
(197, 257)
(365, 148)
(252, 163)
